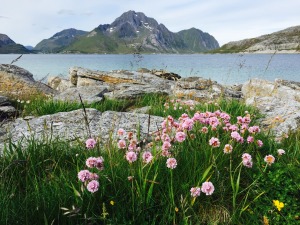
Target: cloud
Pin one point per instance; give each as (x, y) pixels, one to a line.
(3, 17)
(66, 12)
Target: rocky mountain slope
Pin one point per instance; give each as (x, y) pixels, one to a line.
(8, 46)
(59, 40)
(284, 40)
(134, 31)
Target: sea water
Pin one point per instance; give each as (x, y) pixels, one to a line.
(223, 68)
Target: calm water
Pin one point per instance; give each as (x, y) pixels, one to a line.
(224, 68)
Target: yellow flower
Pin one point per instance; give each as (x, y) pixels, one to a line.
(112, 202)
(278, 204)
(176, 209)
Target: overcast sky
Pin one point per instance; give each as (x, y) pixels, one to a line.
(29, 21)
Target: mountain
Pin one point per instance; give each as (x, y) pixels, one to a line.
(59, 40)
(8, 46)
(284, 40)
(29, 47)
(134, 31)
(197, 40)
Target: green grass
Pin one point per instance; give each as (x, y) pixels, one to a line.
(39, 184)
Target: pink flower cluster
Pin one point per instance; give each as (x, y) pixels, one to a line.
(91, 178)
(247, 160)
(98, 163)
(207, 188)
(90, 143)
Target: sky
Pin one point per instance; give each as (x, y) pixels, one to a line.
(28, 22)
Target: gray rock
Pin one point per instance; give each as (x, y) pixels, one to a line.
(89, 94)
(71, 125)
(279, 101)
(59, 84)
(7, 112)
(134, 91)
(4, 101)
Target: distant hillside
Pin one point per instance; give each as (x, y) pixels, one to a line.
(284, 40)
(133, 31)
(8, 46)
(59, 40)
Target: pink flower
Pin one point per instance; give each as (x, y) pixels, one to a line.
(84, 175)
(246, 157)
(248, 164)
(269, 159)
(207, 188)
(90, 162)
(260, 143)
(246, 119)
(131, 157)
(247, 160)
(171, 163)
(239, 120)
(235, 135)
(188, 124)
(166, 146)
(99, 163)
(227, 149)
(254, 129)
(250, 139)
(90, 143)
(147, 157)
(93, 186)
(195, 192)
(165, 137)
(214, 121)
(180, 136)
(214, 142)
(280, 151)
(121, 144)
(121, 132)
(204, 130)
(233, 128)
(165, 153)
(132, 145)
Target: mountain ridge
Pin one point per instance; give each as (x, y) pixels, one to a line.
(134, 31)
(8, 46)
(286, 40)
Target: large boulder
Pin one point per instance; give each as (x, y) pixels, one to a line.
(17, 82)
(71, 126)
(89, 94)
(279, 101)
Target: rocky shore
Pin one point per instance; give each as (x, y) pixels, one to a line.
(279, 101)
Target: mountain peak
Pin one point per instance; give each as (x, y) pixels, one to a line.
(135, 19)
(5, 40)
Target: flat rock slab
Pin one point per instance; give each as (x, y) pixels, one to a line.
(71, 126)
(134, 91)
